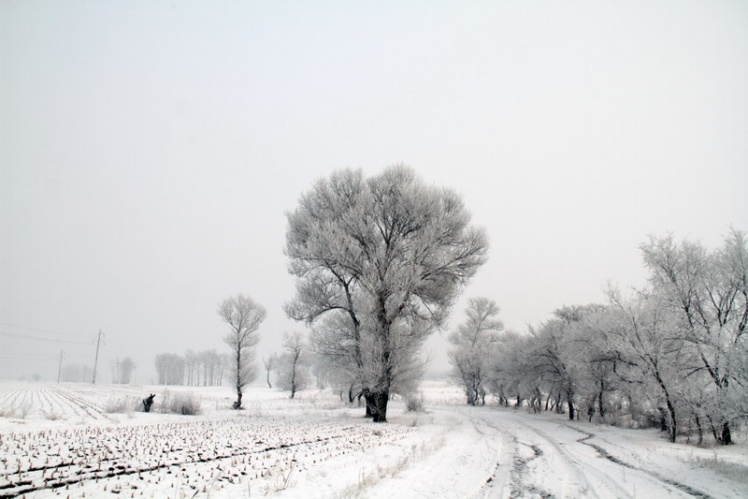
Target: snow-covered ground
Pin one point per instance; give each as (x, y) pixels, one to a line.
(63, 440)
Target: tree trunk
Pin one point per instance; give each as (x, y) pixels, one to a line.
(267, 378)
(699, 429)
(725, 434)
(570, 401)
(371, 404)
(673, 426)
(673, 422)
(238, 403)
(380, 407)
(293, 380)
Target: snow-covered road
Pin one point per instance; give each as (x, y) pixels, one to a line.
(490, 452)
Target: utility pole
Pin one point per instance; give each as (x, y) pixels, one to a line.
(59, 369)
(96, 361)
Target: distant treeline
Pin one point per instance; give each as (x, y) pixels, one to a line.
(76, 373)
(206, 368)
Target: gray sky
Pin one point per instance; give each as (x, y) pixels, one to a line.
(150, 150)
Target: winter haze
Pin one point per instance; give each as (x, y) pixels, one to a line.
(149, 152)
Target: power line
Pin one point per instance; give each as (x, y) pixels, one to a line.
(16, 357)
(42, 330)
(29, 337)
(40, 359)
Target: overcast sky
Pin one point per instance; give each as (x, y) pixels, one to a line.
(149, 151)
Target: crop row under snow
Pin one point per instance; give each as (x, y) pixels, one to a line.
(58, 440)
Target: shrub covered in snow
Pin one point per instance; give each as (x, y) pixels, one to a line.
(186, 404)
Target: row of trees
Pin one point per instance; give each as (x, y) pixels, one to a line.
(675, 353)
(206, 368)
(76, 373)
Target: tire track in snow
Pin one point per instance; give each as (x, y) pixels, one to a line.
(575, 473)
(606, 455)
(519, 468)
(585, 480)
(494, 479)
(593, 481)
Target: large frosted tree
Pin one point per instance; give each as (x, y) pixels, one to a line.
(387, 255)
(244, 316)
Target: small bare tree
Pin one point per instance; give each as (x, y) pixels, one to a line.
(292, 366)
(244, 317)
(269, 363)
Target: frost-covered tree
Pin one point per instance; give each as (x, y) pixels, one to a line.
(244, 316)
(389, 254)
(549, 361)
(353, 355)
(505, 376)
(337, 342)
(293, 369)
(595, 358)
(584, 364)
(474, 344)
(642, 330)
(708, 293)
(558, 365)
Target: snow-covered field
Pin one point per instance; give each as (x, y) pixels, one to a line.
(63, 440)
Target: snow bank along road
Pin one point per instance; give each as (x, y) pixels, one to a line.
(59, 441)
